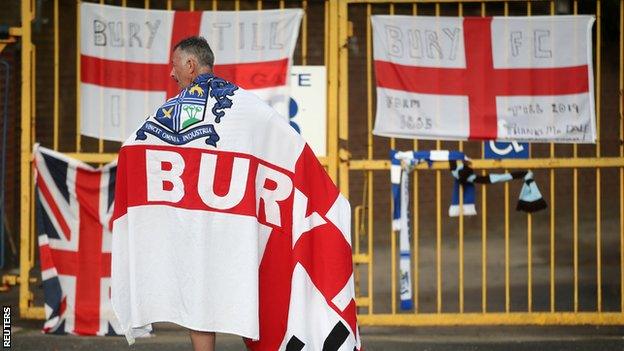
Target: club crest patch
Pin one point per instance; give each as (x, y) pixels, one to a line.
(179, 120)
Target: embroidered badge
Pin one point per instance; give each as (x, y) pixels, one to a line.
(179, 119)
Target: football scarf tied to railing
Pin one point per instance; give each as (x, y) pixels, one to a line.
(464, 177)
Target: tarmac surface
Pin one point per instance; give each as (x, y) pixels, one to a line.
(27, 336)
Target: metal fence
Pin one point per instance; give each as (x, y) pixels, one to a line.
(561, 266)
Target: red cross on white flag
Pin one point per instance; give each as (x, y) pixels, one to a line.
(505, 78)
(125, 59)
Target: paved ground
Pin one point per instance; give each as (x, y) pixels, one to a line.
(169, 337)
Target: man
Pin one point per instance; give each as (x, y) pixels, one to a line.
(191, 57)
(225, 221)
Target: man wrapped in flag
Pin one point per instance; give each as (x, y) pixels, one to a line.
(225, 221)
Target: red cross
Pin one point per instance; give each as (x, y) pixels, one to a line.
(89, 264)
(480, 81)
(155, 77)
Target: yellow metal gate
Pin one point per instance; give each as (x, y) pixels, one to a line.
(561, 266)
(482, 269)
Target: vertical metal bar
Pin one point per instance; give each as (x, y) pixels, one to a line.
(598, 146)
(529, 235)
(282, 4)
(343, 105)
(25, 154)
(56, 77)
(460, 10)
(369, 150)
(506, 247)
(415, 217)
(552, 214)
(214, 5)
(333, 91)
(146, 4)
(169, 5)
(259, 4)
(343, 93)
(78, 107)
(438, 221)
(191, 5)
(326, 36)
(484, 211)
(393, 234)
(575, 212)
(236, 5)
(304, 32)
(621, 95)
(33, 122)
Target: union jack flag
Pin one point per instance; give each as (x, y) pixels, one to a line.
(73, 209)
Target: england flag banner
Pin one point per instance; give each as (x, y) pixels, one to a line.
(125, 59)
(485, 78)
(229, 223)
(74, 203)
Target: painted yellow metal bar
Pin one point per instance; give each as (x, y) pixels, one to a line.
(369, 149)
(575, 236)
(259, 4)
(393, 234)
(191, 5)
(236, 5)
(362, 301)
(415, 219)
(460, 238)
(484, 211)
(392, 140)
(536, 163)
(552, 233)
(25, 296)
(426, 1)
(598, 178)
(484, 248)
(621, 103)
(552, 214)
(361, 258)
(304, 32)
(146, 4)
(93, 157)
(326, 33)
(438, 221)
(343, 104)
(332, 88)
(575, 212)
(529, 233)
(214, 5)
(78, 107)
(506, 247)
(512, 318)
(358, 227)
(33, 121)
(438, 240)
(56, 102)
(460, 13)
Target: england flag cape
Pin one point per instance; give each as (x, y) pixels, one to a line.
(225, 221)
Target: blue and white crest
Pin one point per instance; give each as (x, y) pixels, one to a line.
(178, 116)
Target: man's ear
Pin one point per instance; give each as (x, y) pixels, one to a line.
(191, 64)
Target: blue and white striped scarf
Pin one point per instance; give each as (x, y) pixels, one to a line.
(404, 162)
